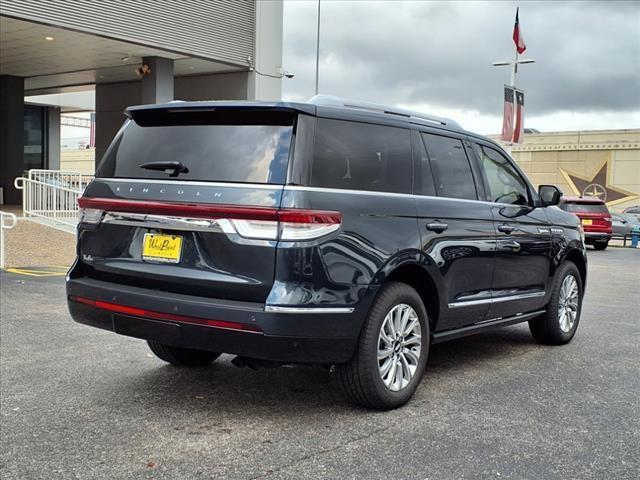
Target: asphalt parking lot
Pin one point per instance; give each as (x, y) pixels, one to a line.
(77, 402)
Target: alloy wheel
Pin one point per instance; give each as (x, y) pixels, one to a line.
(568, 303)
(399, 347)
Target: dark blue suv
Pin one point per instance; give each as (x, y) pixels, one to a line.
(329, 232)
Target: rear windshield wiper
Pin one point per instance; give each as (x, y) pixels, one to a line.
(173, 168)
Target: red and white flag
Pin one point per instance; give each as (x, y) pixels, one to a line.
(518, 130)
(507, 116)
(517, 35)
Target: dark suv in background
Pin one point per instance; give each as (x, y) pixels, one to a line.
(328, 232)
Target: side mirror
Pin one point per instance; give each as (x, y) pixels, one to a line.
(549, 195)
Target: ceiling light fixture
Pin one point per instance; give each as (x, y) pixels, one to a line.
(49, 39)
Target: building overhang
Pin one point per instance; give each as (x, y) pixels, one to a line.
(53, 59)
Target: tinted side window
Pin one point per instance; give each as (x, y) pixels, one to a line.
(361, 156)
(423, 179)
(450, 166)
(504, 183)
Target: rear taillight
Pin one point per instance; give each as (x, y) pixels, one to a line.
(91, 215)
(256, 229)
(307, 224)
(291, 225)
(259, 223)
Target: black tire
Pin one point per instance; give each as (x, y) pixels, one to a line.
(182, 357)
(360, 377)
(546, 329)
(601, 245)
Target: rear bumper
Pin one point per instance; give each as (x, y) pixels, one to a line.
(303, 337)
(597, 236)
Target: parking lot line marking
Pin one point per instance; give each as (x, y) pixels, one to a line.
(35, 273)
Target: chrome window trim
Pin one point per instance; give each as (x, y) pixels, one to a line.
(168, 183)
(292, 188)
(510, 298)
(298, 188)
(280, 309)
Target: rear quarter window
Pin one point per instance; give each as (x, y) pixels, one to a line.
(361, 156)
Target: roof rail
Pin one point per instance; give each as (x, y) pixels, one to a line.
(333, 101)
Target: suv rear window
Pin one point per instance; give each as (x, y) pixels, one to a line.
(580, 207)
(361, 156)
(234, 152)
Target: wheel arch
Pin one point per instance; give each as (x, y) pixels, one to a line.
(417, 277)
(576, 257)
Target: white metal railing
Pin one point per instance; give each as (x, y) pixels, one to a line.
(5, 226)
(51, 197)
(73, 180)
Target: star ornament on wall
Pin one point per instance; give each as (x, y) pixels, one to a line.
(598, 186)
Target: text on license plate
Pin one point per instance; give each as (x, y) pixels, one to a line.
(586, 221)
(162, 248)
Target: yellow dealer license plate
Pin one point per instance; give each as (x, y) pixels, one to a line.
(587, 222)
(162, 248)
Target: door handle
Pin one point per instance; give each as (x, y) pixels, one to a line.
(506, 228)
(510, 245)
(437, 227)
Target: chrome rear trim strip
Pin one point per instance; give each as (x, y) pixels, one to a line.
(167, 222)
(277, 309)
(485, 301)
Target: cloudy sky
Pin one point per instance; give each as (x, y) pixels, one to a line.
(436, 57)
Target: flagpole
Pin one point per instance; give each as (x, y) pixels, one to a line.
(519, 43)
(318, 49)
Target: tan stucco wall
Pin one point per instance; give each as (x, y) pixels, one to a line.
(554, 157)
(78, 160)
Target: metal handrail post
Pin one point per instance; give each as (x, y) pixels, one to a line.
(4, 227)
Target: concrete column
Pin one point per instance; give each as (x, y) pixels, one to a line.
(11, 136)
(268, 53)
(219, 86)
(52, 161)
(111, 100)
(157, 87)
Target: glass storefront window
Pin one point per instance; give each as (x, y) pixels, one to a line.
(34, 136)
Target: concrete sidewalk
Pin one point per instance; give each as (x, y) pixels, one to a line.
(32, 244)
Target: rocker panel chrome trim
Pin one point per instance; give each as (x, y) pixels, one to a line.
(278, 309)
(482, 326)
(484, 301)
